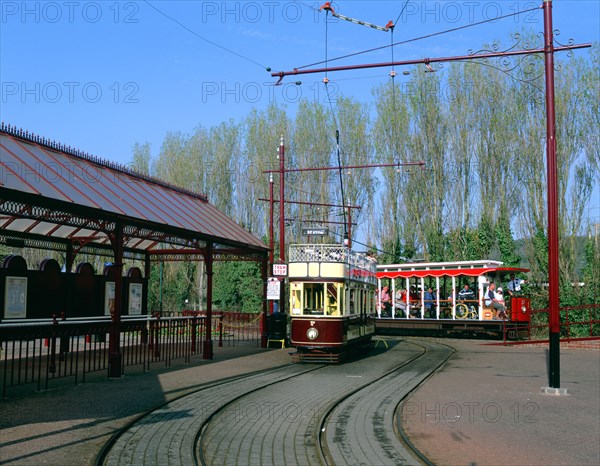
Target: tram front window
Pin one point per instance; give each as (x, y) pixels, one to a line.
(314, 299)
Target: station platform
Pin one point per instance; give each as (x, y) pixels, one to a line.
(484, 407)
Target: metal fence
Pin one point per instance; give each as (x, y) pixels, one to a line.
(37, 353)
(576, 323)
(235, 326)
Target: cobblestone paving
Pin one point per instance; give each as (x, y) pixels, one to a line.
(166, 435)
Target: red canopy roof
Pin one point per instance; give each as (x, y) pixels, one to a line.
(475, 272)
(48, 190)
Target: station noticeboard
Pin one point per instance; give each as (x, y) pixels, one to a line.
(273, 289)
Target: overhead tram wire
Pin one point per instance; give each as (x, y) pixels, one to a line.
(401, 11)
(179, 23)
(415, 39)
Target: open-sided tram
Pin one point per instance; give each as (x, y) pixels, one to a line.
(450, 299)
(332, 300)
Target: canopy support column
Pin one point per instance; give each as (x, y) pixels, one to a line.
(264, 268)
(208, 344)
(115, 357)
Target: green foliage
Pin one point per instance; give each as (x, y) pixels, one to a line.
(591, 271)
(506, 243)
(169, 286)
(484, 239)
(237, 286)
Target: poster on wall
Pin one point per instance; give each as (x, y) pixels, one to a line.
(135, 298)
(15, 298)
(109, 298)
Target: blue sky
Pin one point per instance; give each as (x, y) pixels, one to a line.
(103, 75)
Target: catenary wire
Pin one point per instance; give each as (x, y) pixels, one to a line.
(175, 20)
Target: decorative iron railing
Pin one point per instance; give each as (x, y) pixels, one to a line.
(37, 353)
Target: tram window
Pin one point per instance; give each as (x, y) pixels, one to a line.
(296, 302)
(351, 302)
(314, 298)
(332, 300)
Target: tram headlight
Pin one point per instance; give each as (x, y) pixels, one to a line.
(312, 333)
(524, 310)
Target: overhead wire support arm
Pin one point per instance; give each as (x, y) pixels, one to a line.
(318, 204)
(348, 167)
(327, 7)
(425, 61)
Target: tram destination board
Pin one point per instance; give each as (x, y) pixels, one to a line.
(315, 231)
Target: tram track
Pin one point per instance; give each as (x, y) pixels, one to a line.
(271, 417)
(289, 433)
(357, 429)
(138, 441)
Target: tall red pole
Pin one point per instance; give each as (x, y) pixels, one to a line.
(271, 233)
(349, 229)
(282, 305)
(553, 278)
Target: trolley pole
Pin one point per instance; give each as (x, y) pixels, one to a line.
(553, 280)
(282, 305)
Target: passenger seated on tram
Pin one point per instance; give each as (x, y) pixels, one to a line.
(386, 301)
(466, 294)
(429, 301)
(415, 302)
(400, 302)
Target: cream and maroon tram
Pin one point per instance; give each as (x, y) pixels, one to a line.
(332, 300)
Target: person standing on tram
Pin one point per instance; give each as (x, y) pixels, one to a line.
(514, 286)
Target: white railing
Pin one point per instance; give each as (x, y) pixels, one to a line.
(331, 253)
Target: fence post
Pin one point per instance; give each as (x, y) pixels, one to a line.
(64, 342)
(194, 331)
(221, 330)
(52, 365)
(567, 324)
(156, 336)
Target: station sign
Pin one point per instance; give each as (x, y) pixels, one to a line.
(280, 270)
(315, 231)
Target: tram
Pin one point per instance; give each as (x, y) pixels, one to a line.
(429, 297)
(332, 301)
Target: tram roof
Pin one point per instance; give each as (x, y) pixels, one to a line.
(444, 269)
(52, 192)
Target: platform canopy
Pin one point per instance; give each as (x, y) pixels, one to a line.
(57, 197)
